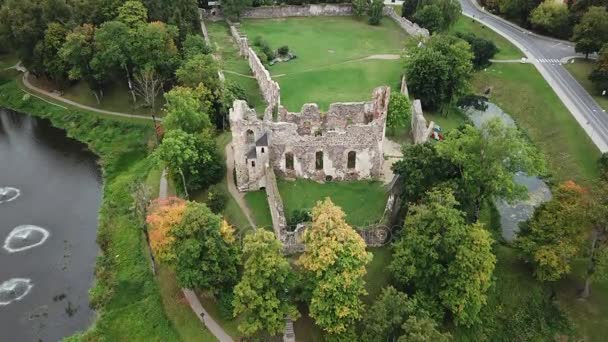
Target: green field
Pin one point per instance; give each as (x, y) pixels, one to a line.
(506, 49)
(363, 202)
(330, 67)
(236, 68)
(581, 69)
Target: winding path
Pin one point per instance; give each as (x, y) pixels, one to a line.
(191, 297)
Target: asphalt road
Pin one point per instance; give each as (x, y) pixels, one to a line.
(547, 54)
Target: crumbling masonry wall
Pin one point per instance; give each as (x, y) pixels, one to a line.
(313, 10)
(411, 28)
(357, 128)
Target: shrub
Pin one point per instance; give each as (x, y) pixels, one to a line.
(216, 199)
(259, 41)
(267, 50)
(399, 111)
(224, 301)
(299, 216)
(360, 7)
(483, 49)
(375, 12)
(283, 50)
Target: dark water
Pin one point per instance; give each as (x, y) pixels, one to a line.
(60, 191)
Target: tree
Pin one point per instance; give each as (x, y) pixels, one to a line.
(599, 76)
(133, 13)
(148, 86)
(261, 297)
(597, 267)
(409, 8)
(553, 236)
(154, 47)
(77, 52)
(200, 69)
(204, 260)
(180, 13)
(430, 18)
(488, 159)
(385, 318)
(483, 49)
(190, 158)
(422, 330)
(552, 17)
(443, 259)
(54, 65)
(438, 71)
(518, 10)
(436, 15)
(360, 7)
(334, 260)
(233, 8)
(194, 45)
(187, 109)
(164, 215)
(421, 169)
(399, 111)
(374, 12)
(592, 31)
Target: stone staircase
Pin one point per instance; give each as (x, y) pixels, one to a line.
(289, 335)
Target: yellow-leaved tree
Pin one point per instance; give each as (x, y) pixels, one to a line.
(163, 215)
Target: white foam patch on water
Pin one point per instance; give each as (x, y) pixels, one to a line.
(14, 289)
(20, 234)
(8, 194)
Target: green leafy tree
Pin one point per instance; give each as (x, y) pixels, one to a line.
(190, 158)
(409, 8)
(360, 7)
(200, 69)
(77, 52)
(554, 235)
(187, 109)
(443, 259)
(154, 47)
(262, 295)
(194, 45)
(488, 158)
(422, 330)
(384, 319)
(592, 31)
(54, 38)
(334, 260)
(430, 18)
(205, 260)
(597, 254)
(374, 12)
(233, 8)
(599, 76)
(133, 13)
(399, 111)
(518, 10)
(436, 15)
(483, 49)
(553, 18)
(438, 72)
(181, 13)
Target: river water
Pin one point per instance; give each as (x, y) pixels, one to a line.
(50, 191)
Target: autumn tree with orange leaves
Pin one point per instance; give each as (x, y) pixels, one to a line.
(164, 214)
(555, 234)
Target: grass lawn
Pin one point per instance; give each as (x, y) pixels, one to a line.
(7, 60)
(507, 50)
(329, 67)
(258, 204)
(523, 93)
(581, 69)
(362, 201)
(377, 276)
(233, 64)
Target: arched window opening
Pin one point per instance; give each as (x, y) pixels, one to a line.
(250, 136)
(253, 163)
(289, 161)
(352, 160)
(319, 160)
(262, 150)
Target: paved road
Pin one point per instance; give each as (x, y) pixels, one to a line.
(547, 54)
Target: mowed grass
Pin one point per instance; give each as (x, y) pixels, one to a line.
(363, 202)
(258, 204)
(236, 68)
(523, 93)
(329, 66)
(507, 50)
(581, 69)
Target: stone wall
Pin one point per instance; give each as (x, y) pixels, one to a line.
(313, 10)
(269, 88)
(275, 203)
(420, 130)
(411, 28)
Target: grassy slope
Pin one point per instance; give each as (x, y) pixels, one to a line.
(123, 276)
(581, 69)
(351, 196)
(507, 50)
(326, 69)
(219, 34)
(257, 202)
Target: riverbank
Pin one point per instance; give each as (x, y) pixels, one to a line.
(125, 289)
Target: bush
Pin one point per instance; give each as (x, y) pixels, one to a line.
(259, 41)
(399, 111)
(224, 303)
(375, 12)
(360, 7)
(217, 199)
(299, 216)
(267, 50)
(483, 49)
(283, 50)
